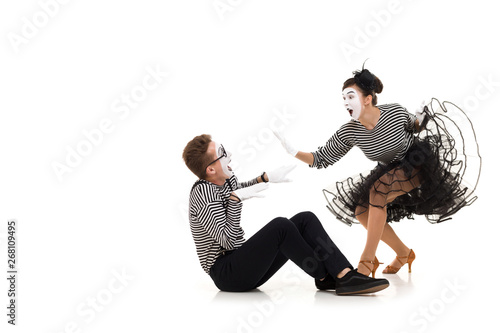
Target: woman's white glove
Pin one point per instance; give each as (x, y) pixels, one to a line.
(251, 191)
(420, 113)
(286, 144)
(280, 175)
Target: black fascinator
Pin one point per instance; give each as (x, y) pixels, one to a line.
(364, 79)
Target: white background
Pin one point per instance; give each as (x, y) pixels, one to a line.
(122, 209)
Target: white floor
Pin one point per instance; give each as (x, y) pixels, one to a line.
(435, 297)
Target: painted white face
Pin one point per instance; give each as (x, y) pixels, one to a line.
(224, 158)
(352, 102)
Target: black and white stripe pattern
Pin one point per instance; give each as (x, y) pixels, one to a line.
(215, 219)
(387, 142)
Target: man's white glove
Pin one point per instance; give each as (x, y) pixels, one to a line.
(251, 191)
(286, 144)
(279, 175)
(420, 113)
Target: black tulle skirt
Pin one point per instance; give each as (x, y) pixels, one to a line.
(436, 178)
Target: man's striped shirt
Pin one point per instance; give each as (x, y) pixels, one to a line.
(215, 219)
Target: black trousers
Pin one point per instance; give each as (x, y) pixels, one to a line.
(301, 239)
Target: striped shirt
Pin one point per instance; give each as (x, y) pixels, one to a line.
(215, 219)
(387, 142)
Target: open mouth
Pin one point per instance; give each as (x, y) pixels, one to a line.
(350, 112)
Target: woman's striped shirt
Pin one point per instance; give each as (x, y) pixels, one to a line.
(215, 219)
(387, 142)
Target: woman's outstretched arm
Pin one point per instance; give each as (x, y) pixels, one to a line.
(334, 149)
(305, 157)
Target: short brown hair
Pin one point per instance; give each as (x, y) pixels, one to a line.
(195, 155)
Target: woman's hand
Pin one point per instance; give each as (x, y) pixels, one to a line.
(420, 115)
(286, 144)
(303, 156)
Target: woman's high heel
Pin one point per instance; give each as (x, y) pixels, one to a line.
(409, 259)
(375, 264)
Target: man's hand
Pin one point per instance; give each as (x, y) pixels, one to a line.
(251, 191)
(280, 175)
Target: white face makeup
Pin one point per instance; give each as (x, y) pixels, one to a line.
(352, 102)
(224, 161)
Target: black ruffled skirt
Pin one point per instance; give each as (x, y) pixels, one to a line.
(436, 178)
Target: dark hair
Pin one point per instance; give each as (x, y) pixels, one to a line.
(195, 155)
(368, 83)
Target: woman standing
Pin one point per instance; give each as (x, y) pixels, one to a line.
(418, 171)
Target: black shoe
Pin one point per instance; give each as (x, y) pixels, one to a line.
(327, 284)
(357, 283)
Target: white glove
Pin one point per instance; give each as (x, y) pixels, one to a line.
(279, 175)
(251, 191)
(420, 113)
(288, 147)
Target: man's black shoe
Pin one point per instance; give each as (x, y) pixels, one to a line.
(327, 284)
(357, 283)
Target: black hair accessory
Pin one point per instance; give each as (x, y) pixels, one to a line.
(364, 79)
